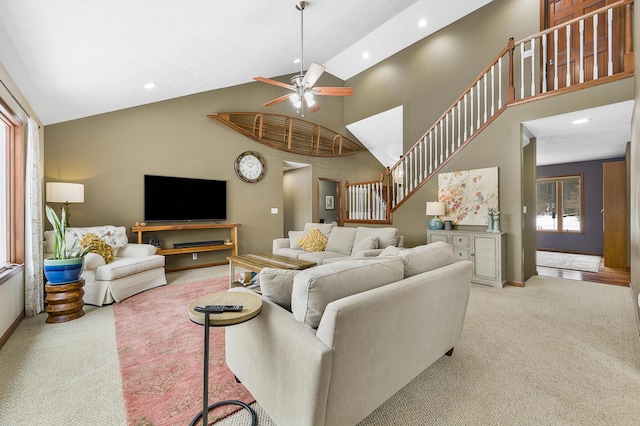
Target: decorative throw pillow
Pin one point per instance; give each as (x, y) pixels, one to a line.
(369, 243)
(324, 228)
(277, 284)
(313, 241)
(341, 240)
(115, 236)
(386, 236)
(294, 237)
(97, 246)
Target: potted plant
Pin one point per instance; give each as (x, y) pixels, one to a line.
(66, 265)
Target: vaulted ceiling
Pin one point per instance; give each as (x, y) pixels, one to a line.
(73, 59)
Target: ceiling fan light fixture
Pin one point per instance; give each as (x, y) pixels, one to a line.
(309, 98)
(295, 100)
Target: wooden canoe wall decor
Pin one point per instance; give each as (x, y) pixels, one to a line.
(289, 134)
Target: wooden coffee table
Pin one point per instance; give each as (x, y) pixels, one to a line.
(255, 263)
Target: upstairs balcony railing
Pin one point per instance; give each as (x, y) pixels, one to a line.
(592, 49)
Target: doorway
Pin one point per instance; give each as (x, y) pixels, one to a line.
(297, 194)
(330, 200)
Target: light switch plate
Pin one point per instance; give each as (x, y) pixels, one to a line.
(274, 210)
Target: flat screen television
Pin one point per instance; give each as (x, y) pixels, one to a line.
(168, 198)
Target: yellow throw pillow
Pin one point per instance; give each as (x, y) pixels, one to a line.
(97, 246)
(313, 241)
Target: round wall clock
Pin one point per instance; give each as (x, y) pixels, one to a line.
(250, 166)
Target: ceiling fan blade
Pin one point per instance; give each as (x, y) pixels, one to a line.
(333, 91)
(277, 100)
(313, 74)
(274, 82)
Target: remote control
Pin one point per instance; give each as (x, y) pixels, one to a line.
(233, 308)
(218, 309)
(212, 309)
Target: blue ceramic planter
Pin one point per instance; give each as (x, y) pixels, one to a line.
(63, 271)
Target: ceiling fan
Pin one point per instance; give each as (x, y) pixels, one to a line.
(302, 84)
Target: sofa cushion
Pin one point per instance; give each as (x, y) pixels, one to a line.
(294, 253)
(425, 258)
(315, 288)
(321, 257)
(325, 228)
(277, 284)
(386, 236)
(341, 240)
(369, 243)
(313, 241)
(125, 266)
(294, 238)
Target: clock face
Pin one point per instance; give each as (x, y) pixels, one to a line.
(250, 167)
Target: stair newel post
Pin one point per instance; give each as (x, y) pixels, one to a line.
(628, 38)
(511, 93)
(386, 176)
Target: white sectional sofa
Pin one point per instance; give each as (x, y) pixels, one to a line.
(333, 342)
(135, 268)
(343, 242)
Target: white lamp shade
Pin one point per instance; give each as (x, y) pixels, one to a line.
(64, 192)
(435, 208)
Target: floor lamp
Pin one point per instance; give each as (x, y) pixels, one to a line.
(66, 193)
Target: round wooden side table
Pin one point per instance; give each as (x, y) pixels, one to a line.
(64, 301)
(251, 307)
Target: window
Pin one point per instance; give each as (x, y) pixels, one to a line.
(11, 189)
(559, 204)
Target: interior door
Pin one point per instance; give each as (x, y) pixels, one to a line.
(614, 175)
(560, 11)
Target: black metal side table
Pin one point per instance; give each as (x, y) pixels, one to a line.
(251, 307)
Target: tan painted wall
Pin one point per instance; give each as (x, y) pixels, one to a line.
(427, 77)
(501, 145)
(298, 199)
(111, 152)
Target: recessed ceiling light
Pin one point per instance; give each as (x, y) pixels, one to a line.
(296, 61)
(422, 23)
(365, 55)
(149, 86)
(581, 121)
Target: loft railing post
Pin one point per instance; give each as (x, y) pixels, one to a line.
(628, 38)
(511, 92)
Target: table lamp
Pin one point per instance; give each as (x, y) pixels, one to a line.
(435, 208)
(66, 193)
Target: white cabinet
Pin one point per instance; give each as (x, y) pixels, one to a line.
(487, 251)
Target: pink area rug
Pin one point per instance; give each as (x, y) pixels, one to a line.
(161, 355)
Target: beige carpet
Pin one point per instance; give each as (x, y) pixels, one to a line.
(577, 262)
(557, 352)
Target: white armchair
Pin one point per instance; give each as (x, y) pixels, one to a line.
(136, 267)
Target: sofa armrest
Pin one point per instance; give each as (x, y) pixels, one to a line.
(92, 261)
(367, 253)
(280, 243)
(279, 360)
(136, 250)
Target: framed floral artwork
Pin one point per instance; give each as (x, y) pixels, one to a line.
(468, 194)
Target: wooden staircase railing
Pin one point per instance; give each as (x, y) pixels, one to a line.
(526, 70)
